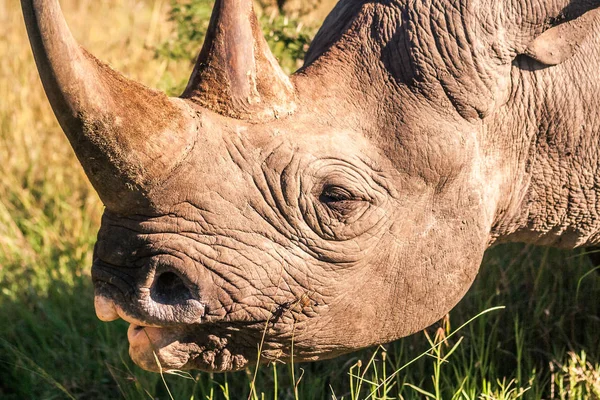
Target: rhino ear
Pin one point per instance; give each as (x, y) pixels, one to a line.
(236, 74)
(560, 42)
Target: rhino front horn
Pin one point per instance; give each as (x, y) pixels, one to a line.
(127, 137)
(236, 74)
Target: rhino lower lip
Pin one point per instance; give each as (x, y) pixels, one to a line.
(151, 348)
(164, 349)
(144, 337)
(134, 332)
(137, 328)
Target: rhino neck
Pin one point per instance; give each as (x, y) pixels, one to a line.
(551, 139)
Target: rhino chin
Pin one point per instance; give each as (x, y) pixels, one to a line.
(161, 349)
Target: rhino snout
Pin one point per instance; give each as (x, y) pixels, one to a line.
(166, 300)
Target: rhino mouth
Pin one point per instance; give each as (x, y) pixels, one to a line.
(207, 346)
(186, 335)
(163, 349)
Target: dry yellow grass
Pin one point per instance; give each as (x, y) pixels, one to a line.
(37, 166)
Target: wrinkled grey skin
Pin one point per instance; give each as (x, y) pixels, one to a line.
(357, 208)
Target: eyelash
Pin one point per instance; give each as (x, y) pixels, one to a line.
(336, 194)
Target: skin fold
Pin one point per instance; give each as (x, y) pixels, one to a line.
(347, 205)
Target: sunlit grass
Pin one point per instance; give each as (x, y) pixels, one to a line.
(544, 344)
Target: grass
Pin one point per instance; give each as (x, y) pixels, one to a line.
(545, 343)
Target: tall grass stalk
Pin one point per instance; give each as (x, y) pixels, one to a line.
(435, 346)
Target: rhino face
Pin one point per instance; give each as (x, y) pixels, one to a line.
(300, 218)
(306, 239)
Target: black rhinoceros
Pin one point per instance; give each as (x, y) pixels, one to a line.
(347, 205)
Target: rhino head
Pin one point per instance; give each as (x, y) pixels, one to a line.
(306, 216)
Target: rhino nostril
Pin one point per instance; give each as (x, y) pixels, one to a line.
(169, 288)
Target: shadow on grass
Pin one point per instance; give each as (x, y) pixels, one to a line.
(53, 347)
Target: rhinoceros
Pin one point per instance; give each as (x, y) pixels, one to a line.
(347, 205)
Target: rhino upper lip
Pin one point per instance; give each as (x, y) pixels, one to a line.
(107, 310)
(141, 308)
(134, 321)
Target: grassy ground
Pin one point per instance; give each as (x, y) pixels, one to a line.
(545, 343)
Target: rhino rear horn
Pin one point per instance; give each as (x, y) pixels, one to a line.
(127, 137)
(236, 74)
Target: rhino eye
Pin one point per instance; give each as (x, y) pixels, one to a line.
(332, 194)
(337, 197)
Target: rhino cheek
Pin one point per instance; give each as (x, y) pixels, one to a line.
(422, 268)
(440, 268)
